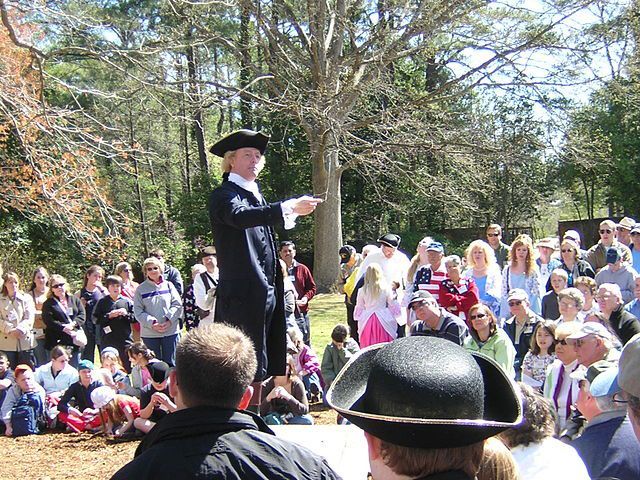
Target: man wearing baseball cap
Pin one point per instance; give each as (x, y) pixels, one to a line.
(593, 342)
(429, 277)
(608, 445)
(629, 380)
(434, 321)
(425, 419)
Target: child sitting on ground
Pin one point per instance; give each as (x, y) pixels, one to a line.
(116, 375)
(307, 365)
(155, 402)
(23, 407)
(117, 412)
(337, 353)
(83, 416)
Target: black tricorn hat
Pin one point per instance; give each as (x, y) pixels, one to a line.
(425, 392)
(390, 239)
(240, 139)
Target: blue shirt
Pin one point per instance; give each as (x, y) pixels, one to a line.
(633, 307)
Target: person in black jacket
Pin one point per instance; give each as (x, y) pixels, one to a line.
(64, 316)
(623, 323)
(113, 314)
(210, 432)
(520, 326)
(250, 294)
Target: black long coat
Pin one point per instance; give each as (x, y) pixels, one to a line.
(250, 294)
(56, 319)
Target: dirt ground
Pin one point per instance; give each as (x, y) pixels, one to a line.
(54, 456)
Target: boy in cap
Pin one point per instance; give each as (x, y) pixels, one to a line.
(428, 421)
(433, 320)
(83, 416)
(155, 399)
(242, 223)
(607, 445)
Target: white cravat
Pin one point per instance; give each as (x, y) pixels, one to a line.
(251, 186)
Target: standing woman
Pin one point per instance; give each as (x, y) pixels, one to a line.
(129, 287)
(91, 291)
(16, 322)
(521, 272)
(571, 263)
(38, 292)
(485, 272)
(457, 294)
(64, 316)
(158, 308)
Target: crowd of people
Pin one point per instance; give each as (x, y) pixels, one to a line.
(549, 315)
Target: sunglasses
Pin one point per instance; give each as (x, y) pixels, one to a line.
(515, 303)
(493, 234)
(151, 269)
(479, 315)
(58, 285)
(567, 250)
(605, 230)
(562, 342)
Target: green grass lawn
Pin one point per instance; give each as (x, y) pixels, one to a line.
(325, 311)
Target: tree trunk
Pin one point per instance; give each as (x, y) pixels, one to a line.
(197, 125)
(327, 238)
(138, 188)
(245, 65)
(184, 136)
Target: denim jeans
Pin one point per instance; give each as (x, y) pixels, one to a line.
(164, 347)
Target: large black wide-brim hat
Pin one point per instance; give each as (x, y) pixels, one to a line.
(425, 392)
(240, 139)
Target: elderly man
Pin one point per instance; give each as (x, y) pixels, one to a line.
(393, 262)
(597, 255)
(429, 277)
(304, 284)
(607, 446)
(623, 323)
(629, 380)
(520, 326)
(593, 342)
(423, 421)
(619, 273)
(210, 436)
(434, 321)
(494, 237)
(251, 292)
(624, 228)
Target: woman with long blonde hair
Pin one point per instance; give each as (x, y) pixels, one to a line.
(377, 310)
(521, 272)
(483, 268)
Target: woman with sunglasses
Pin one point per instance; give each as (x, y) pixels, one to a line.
(64, 316)
(158, 308)
(559, 387)
(488, 338)
(572, 263)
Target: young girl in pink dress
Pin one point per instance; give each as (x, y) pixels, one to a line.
(377, 310)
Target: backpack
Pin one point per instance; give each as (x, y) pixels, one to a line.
(27, 416)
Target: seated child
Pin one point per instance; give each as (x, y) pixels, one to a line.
(155, 401)
(337, 353)
(83, 416)
(111, 362)
(307, 365)
(117, 412)
(284, 399)
(23, 407)
(55, 377)
(139, 357)
(6, 380)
